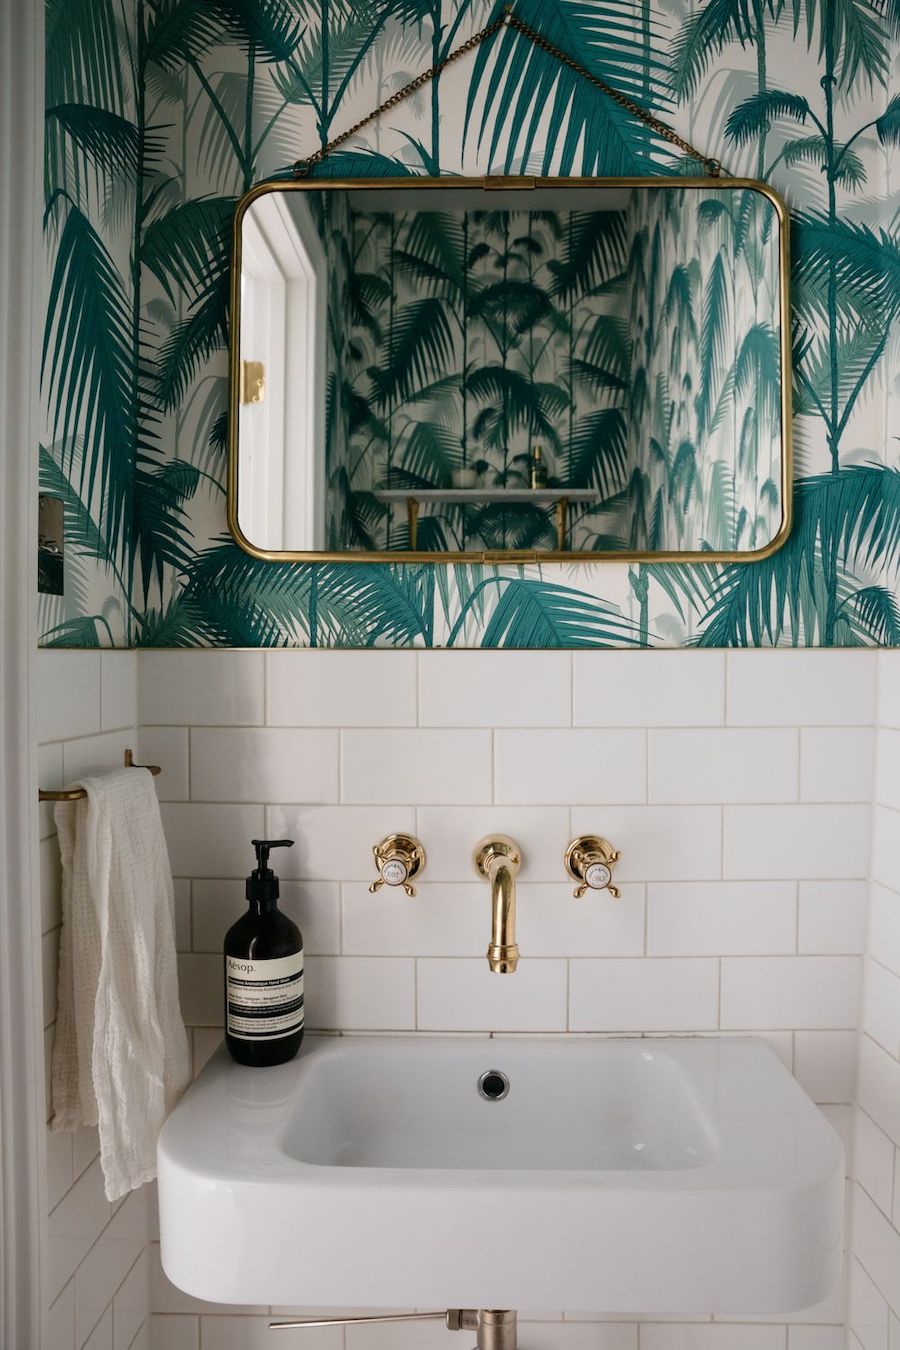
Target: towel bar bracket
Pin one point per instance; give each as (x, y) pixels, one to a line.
(77, 794)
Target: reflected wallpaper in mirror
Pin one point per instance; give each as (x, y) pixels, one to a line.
(458, 370)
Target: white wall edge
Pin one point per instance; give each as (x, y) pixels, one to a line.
(22, 1163)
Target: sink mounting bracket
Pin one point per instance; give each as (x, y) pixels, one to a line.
(495, 1328)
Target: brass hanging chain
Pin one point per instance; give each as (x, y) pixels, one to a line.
(303, 167)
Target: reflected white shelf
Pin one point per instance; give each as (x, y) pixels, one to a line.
(558, 497)
(483, 496)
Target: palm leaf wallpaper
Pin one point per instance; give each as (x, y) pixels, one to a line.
(475, 339)
(161, 113)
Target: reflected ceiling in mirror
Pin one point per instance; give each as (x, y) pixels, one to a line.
(461, 368)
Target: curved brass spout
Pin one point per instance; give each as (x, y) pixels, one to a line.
(498, 859)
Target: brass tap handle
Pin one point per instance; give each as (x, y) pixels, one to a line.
(398, 858)
(590, 860)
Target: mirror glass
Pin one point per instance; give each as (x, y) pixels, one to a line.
(469, 367)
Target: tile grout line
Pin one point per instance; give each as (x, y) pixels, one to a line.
(797, 918)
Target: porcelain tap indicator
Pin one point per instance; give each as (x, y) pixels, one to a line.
(598, 876)
(394, 872)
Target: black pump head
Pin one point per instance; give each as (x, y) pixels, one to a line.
(262, 884)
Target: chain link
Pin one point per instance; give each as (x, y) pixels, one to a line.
(508, 19)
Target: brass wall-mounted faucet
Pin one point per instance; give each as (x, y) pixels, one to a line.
(497, 858)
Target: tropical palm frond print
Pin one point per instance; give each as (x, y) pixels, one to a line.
(161, 113)
(635, 350)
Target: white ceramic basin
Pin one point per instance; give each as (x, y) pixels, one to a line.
(638, 1175)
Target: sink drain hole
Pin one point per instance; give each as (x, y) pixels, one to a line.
(493, 1085)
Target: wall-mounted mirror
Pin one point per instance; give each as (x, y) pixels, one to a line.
(531, 368)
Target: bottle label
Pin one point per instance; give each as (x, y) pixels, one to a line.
(263, 999)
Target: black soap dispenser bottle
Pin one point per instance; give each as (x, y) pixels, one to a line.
(264, 972)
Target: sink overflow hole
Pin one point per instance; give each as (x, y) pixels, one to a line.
(493, 1085)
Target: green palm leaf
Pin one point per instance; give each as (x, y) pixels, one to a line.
(855, 344)
(513, 525)
(432, 536)
(679, 303)
(420, 345)
(516, 401)
(512, 307)
(687, 586)
(182, 31)
(435, 242)
(211, 439)
(87, 369)
(714, 344)
(431, 452)
(609, 345)
(82, 56)
(539, 614)
(257, 603)
(190, 246)
(858, 33)
(594, 251)
(366, 293)
(682, 478)
(427, 276)
(876, 609)
(721, 508)
(192, 343)
(849, 519)
(703, 35)
(758, 368)
(270, 26)
(866, 262)
(106, 139)
(362, 164)
(83, 631)
(338, 42)
(596, 378)
(219, 137)
(513, 84)
(162, 535)
(888, 124)
(177, 624)
(597, 452)
(850, 169)
(754, 115)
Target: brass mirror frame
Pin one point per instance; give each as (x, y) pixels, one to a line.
(499, 183)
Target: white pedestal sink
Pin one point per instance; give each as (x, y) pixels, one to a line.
(629, 1175)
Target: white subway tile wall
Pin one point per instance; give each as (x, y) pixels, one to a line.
(98, 1276)
(737, 785)
(745, 859)
(874, 1305)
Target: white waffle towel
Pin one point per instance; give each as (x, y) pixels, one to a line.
(120, 1052)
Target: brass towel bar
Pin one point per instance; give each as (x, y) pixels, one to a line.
(76, 794)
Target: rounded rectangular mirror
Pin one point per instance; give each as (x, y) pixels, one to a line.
(513, 368)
